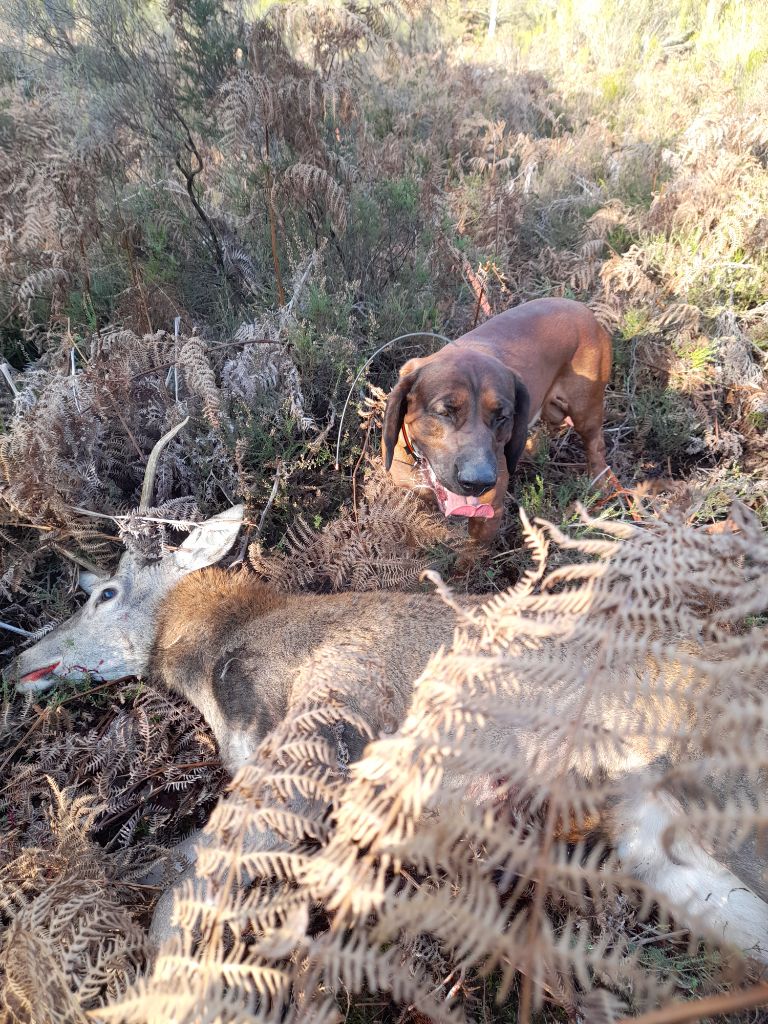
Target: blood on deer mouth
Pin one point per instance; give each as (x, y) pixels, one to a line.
(37, 674)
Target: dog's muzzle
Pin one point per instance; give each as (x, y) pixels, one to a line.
(452, 504)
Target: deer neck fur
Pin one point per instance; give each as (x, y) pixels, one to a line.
(244, 653)
(207, 649)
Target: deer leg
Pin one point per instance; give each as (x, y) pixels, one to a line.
(161, 927)
(696, 886)
(203, 889)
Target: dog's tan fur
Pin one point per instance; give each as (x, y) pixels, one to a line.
(549, 358)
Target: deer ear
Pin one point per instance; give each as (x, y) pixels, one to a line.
(210, 541)
(88, 580)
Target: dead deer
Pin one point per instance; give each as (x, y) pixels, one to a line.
(245, 654)
(240, 651)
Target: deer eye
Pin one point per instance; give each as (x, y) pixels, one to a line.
(107, 594)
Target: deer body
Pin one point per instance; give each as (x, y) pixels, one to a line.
(245, 654)
(240, 651)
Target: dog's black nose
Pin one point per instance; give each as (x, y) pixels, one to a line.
(475, 483)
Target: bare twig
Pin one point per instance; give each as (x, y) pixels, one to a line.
(80, 560)
(682, 1012)
(190, 173)
(280, 475)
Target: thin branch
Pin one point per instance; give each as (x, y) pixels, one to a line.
(280, 475)
(682, 1012)
(190, 173)
(80, 560)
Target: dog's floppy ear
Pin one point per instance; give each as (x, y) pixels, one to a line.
(394, 414)
(513, 449)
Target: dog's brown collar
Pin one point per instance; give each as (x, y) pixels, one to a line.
(409, 449)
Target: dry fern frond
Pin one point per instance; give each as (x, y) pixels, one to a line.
(741, 363)
(628, 274)
(264, 378)
(71, 946)
(308, 181)
(608, 217)
(201, 380)
(90, 804)
(383, 544)
(144, 531)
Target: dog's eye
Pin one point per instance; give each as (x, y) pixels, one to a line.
(446, 411)
(500, 418)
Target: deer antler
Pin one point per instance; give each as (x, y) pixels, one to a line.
(149, 473)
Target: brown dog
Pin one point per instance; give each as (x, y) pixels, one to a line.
(457, 421)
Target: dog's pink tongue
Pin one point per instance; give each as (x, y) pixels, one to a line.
(459, 505)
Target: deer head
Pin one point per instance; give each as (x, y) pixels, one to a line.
(111, 636)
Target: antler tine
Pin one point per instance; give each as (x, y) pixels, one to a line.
(149, 473)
